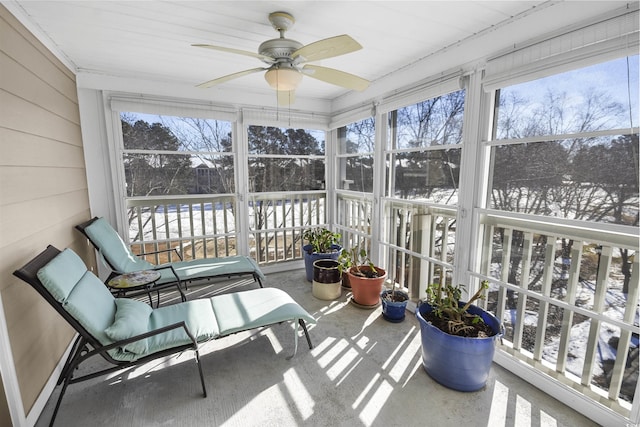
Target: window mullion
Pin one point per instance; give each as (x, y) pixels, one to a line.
(241, 176)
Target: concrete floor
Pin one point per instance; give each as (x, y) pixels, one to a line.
(362, 371)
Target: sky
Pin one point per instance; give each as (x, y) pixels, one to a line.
(618, 77)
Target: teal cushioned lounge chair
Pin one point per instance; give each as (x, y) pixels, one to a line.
(120, 259)
(127, 332)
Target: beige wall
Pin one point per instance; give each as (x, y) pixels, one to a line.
(43, 194)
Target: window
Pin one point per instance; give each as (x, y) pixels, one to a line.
(425, 147)
(356, 150)
(165, 155)
(285, 159)
(179, 180)
(570, 145)
(566, 146)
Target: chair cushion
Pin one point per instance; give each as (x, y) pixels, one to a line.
(198, 316)
(81, 293)
(113, 248)
(210, 267)
(62, 273)
(255, 308)
(92, 305)
(131, 318)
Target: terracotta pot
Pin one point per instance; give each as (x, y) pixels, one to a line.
(366, 291)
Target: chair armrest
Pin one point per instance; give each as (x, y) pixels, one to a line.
(173, 271)
(162, 251)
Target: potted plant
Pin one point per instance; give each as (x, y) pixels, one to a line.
(327, 279)
(394, 304)
(345, 263)
(458, 339)
(323, 244)
(365, 279)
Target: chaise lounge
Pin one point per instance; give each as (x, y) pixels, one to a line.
(121, 260)
(127, 332)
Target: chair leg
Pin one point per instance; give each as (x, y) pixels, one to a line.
(204, 389)
(257, 278)
(55, 410)
(182, 295)
(67, 372)
(73, 354)
(306, 332)
(295, 337)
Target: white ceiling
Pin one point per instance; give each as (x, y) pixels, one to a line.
(403, 41)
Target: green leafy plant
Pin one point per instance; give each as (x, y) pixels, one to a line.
(395, 294)
(321, 239)
(357, 257)
(451, 316)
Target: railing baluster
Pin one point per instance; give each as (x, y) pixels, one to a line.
(598, 305)
(167, 233)
(543, 309)
(522, 297)
(179, 227)
(625, 335)
(567, 315)
(225, 222)
(138, 211)
(154, 234)
(507, 241)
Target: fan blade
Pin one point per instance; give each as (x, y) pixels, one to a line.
(286, 97)
(229, 77)
(237, 51)
(336, 77)
(326, 48)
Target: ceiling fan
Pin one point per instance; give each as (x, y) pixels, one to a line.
(288, 59)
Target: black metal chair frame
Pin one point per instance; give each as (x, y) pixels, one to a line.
(86, 345)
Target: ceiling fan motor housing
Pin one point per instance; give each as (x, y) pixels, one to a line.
(279, 48)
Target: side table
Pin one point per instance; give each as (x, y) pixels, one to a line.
(142, 281)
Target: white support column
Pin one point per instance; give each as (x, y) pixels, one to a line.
(379, 175)
(331, 156)
(471, 188)
(240, 137)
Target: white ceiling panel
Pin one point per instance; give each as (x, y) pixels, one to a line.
(150, 40)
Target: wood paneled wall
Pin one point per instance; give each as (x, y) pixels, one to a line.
(43, 194)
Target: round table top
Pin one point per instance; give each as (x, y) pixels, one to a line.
(135, 279)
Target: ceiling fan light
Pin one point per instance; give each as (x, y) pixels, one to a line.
(283, 78)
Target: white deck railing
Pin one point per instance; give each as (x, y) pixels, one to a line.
(200, 227)
(568, 303)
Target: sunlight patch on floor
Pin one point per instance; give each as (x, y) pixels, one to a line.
(411, 344)
(274, 403)
(365, 392)
(499, 402)
(343, 363)
(523, 412)
(299, 394)
(375, 403)
(332, 353)
(275, 342)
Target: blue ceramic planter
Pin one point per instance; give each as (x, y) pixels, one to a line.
(458, 363)
(393, 311)
(310, 258)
